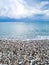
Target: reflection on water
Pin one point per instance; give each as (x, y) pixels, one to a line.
(24, 30)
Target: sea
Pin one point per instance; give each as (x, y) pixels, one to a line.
(24, 30)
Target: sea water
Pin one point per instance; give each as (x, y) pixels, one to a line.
(24, 30)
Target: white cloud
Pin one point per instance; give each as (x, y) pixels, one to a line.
(19, 8)
(41, 4)
(46, 12)
(38, 9)
(12, 8)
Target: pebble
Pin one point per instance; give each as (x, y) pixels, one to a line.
(29, 52)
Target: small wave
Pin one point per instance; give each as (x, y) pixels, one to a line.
(32, 38)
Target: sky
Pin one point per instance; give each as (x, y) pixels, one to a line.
(38, 9)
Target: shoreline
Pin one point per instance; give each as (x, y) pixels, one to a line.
(34, 38)
(22, 39)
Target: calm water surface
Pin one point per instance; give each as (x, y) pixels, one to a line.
(24, 30)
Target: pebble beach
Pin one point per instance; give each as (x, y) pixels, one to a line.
(27, 52)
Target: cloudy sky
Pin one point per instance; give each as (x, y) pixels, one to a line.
(25, 8)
